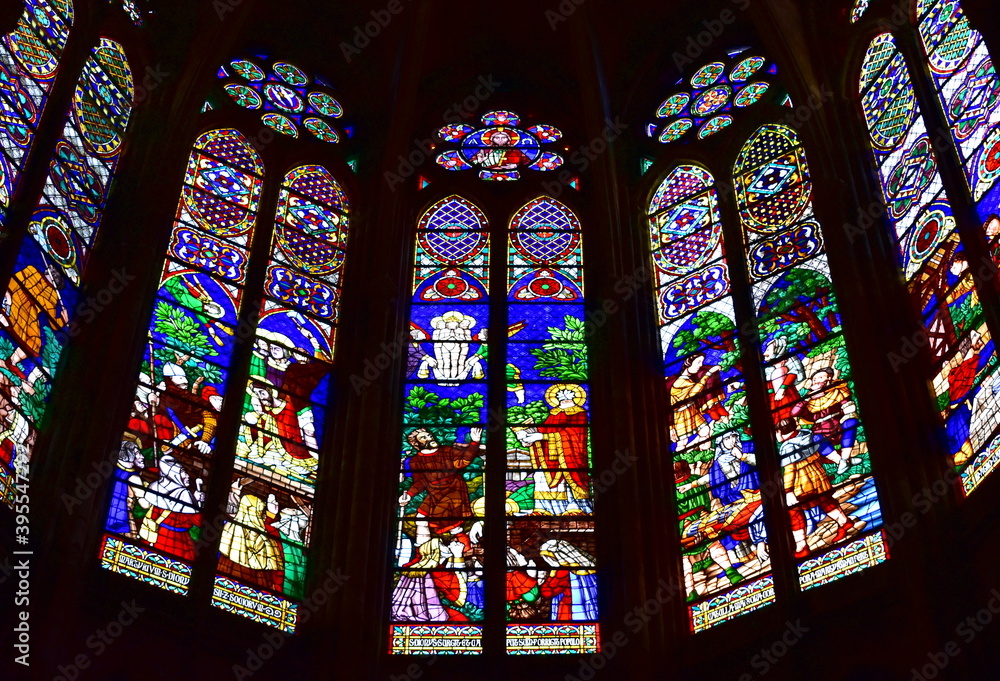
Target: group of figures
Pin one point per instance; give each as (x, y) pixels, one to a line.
(170, 446)
(933, 256)
(818, 435)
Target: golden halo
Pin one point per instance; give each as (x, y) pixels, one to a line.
(579, 394)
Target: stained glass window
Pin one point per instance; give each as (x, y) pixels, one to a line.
(262, 561)
(29, 59)
(825, 464)
(439, 596)
(551, 552)
(167, 451)
(934, 263)
(500, 148)
(288, 98)
(969, 94)
(706, 103)
(41, 300)
(858, 10)
(724, 545)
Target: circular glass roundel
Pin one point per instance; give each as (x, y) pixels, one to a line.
(247, 69)
(280, 123)
(244, 96)
(321, 130)
(290, 74)
(714, 126)
(673, 105)
(710, 101)
(745, 69)
(676, 130)
(325, 104)
(284, 98)
(751, 94)
(707, 75)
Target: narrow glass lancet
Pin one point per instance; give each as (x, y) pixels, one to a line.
(724, 546)
(262, 560)
(968, 93)
(41, 301)
(825, 463)
(29, 59)
(167, 451)
(934, 263)
(438, 592)
(551, 549)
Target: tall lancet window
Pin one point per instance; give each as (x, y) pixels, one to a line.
(754, 296)
(207, 371)
(933, 258)
(533, 358)
(42, 298)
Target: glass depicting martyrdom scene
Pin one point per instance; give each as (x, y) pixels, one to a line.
(154, 521)
(29, 60)
(823, 449)
(934, 264)
(724, 545)
(263, 550)
(438, 594)
(551, 553)
(36, 318)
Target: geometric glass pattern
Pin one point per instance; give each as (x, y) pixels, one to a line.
(288, 99)
(820, 437)
(725, 554)
(42, 297)
(968, 91)
(551, 552)
(931, 256)
(438, 590)
(29, 60)
(500, 148)
(154, 525)
(696, 104)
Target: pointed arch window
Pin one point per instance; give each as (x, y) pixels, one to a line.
(814, 438)
(440, 601)
(41, 299)
(932, 255)
(224, 355)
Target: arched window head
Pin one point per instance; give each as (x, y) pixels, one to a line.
(933, 261)
(44, 289)
(969, 94)
(29, 59)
